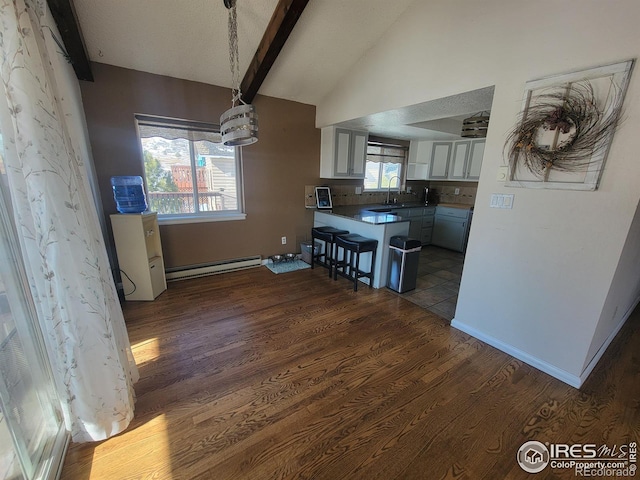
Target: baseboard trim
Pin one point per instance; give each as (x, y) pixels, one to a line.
(195, 271)
(563, 376)
(603, 348)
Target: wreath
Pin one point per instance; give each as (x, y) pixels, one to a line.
(581, 131)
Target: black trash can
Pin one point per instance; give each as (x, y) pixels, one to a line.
(404, 256)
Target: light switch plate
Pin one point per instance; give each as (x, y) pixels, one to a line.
(501, 200)
(502, 174)
(358, 190)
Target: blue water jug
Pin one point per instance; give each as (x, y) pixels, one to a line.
(129, 194)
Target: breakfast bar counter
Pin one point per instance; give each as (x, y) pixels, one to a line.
(378, 226)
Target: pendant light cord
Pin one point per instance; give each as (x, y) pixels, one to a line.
(234, 57)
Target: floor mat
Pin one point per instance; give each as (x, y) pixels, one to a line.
(285, 267)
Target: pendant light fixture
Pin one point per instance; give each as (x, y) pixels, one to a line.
(239, 124)
(475, 126)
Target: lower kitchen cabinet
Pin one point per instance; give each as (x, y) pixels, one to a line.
(451, 228)
(421, 222)
(427, 225)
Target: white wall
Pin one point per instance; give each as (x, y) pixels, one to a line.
(537, 277)
(624, 292)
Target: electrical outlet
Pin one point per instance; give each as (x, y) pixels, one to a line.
(284, 240)
(457, 191)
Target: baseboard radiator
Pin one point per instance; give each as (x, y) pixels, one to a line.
(194, 271)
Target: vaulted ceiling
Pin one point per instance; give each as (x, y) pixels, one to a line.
(188, 39)
(323, 39)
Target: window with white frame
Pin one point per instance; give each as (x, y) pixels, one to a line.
(188, 171)
(384, 166)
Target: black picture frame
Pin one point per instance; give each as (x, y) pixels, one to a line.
(323, 198)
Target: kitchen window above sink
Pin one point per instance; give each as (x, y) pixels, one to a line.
(384, 165)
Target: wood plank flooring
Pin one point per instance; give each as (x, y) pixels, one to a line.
(251, 375)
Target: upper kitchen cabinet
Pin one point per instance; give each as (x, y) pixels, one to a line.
(440, 158)
(466, 160)
(418, 161)
(343, 153)
(475, 160)
(460, 160)
(458, 170)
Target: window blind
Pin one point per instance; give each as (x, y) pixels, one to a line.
(174, 129)
(381, 153)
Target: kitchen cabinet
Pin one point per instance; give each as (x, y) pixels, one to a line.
(440, 157)
(466, 160)
(415, 225)
(451, 228)
(418, 160)
(460, 160)
(343, 153)
(417, 171)
(476, 153)
(426, 232)
(420, 222)
(458, 169)
(139, 251)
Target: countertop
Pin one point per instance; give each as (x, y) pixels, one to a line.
(368, 213)
(360, 214)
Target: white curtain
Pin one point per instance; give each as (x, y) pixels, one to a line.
(56, 218)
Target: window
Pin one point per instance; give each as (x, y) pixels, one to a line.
(384, 166)
(189, 173)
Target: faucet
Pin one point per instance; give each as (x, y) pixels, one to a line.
(389, 190)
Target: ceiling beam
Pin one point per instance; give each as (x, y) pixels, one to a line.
(282, 21)
(64, 14)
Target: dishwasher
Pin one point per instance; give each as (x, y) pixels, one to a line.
(451, 228)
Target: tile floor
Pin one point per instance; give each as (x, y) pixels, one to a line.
(439, 274)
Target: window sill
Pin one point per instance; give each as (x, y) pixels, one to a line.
(220, 217)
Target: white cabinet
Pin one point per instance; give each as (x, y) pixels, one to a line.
(466, 160)
(139, 251)
(343, 153)
(461, 160)
(475, 160)
(440, 157)
(418, 171)
(418, 161)
(458, 168)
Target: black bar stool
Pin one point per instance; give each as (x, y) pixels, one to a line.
(349, 266)
(325, 256)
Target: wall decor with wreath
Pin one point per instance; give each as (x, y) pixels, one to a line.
(565, 128)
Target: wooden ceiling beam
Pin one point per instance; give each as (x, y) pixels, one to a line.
(64, 14)
(282, 21)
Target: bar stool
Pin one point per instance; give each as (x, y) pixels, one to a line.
(349, 266)
(325, 256)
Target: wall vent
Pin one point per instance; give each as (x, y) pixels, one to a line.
(195, 271)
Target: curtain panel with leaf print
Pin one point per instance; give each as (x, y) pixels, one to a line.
(63, 247)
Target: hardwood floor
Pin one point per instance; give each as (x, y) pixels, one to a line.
(251, 375)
